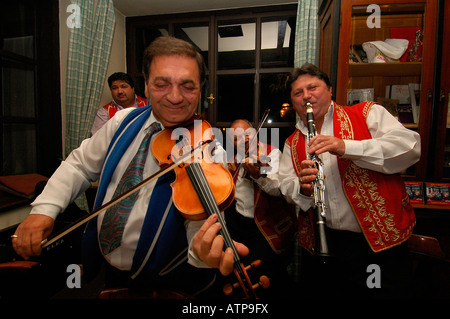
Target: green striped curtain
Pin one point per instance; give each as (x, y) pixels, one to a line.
(306, 33)
(87, 63)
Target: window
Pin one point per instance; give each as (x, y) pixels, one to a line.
(30, 107)
(249, 55)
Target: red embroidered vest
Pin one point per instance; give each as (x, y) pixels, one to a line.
(379, 201)
(112, 108)
(275, 218)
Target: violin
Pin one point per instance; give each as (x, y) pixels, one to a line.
(171, 144)
(262, 159)
(196, 173)
(212, 183)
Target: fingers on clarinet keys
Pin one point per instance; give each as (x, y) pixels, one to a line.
(304, 180)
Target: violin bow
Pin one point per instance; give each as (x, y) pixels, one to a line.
(261, 123)
(47, 242)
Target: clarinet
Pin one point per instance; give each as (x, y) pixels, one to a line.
(321, 246)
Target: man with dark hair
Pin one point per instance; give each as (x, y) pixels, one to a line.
(124, 96)
(368, 215)
(259, 216)
(309, 69)
(143, 242)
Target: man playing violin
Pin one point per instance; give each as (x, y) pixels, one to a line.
(174, 73)
(260, 217)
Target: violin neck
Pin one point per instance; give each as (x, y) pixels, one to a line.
(203, 190)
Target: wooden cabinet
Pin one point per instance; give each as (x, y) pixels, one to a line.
(441, 96)
(347, 24)
(343, 24)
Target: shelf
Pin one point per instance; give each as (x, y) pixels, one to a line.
(411, 126)
(428, 206)
(385, 69)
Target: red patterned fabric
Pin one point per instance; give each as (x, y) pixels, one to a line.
(379, 201)
(112, 109)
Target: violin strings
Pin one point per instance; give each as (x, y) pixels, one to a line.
(201, 186)
(204, 191)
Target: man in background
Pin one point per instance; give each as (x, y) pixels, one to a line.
(259, 216)
(124, 96)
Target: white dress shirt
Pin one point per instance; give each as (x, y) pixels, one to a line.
(392, 149)
(83, 166)
(102, 115)
(245, 204)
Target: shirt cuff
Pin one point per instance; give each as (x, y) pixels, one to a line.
(47, 210)
(353, 149)
(305, 202)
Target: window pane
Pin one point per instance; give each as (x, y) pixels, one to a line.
(196, 34)
(236, 45)
(19, 149)
(17, 89)
(446, 169)
(17, 28)
(277, 43)
(145, 36)
(235, 97)
(275, 95)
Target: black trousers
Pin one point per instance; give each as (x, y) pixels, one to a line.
(355, 271)
(186, 279)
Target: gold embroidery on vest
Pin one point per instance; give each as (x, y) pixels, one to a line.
(366, 109)
(370, 201)
(294, 153)
(346, 129)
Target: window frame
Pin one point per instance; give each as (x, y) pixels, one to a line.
(259, 14)
(47, 119)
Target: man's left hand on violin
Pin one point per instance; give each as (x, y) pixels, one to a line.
(256, 167)
(208, 246)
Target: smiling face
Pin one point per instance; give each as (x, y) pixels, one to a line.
(174, 88)
(243, 133)
(122, 93)
(309, 88)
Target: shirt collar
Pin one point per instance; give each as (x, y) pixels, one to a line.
(120, 107)
(151, 120)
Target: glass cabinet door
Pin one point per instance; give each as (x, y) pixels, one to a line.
(441, 170)
(386, 55)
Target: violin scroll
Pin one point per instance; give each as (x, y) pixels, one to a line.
(264, 282)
